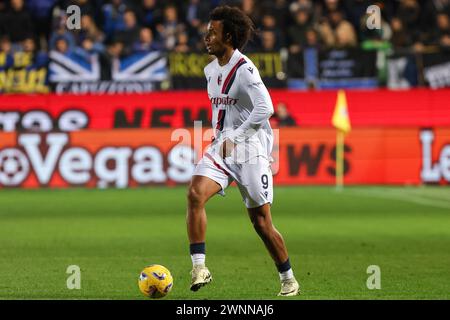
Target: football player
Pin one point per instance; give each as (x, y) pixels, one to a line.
(242, 145)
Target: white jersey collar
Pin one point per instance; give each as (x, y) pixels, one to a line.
(234, 58)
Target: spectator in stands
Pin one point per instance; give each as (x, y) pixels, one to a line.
(355, 10)
(6, 58)
(297, 36)
(62, 46)
(325, 7)
(130, 33)
(61, 31)
(28, 45)
(146, 42)
(5, 45)
(149, 14)
(41, 13)
(113, 14)
(170, 27)
(199, 45)
(197, 14)
(297, 32)
(269, 23)
(16, 23)
(182, 42)
(2, 6)
(109, 59)
(441, 34)
(282, 116)
(430, 10)
(409, 14)
(115, 49)
(337, 32)
(269, 41)
(280, 11)
(401, 38)
(313, 39)
(252, 10)
(297, 5)
(88, 48)
(90, 30)
(39, 58)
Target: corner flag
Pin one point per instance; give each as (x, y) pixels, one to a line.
(341, 121)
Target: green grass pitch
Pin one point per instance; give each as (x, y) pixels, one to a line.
(332, 237)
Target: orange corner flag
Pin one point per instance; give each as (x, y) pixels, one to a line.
(341, 119)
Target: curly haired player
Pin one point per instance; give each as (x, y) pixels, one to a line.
(240, 151)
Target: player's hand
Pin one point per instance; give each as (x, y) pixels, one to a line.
(226, 148)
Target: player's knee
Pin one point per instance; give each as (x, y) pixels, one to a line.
(195, 196)
(261, 225)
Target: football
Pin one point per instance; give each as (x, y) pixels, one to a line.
(155, 281)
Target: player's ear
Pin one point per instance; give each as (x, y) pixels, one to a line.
(228, 38)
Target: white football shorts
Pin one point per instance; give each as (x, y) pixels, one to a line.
(254, 179)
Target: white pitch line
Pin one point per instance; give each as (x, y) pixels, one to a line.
(391, 194)
(426, 193)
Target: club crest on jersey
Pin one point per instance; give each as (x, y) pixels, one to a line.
(219, 79)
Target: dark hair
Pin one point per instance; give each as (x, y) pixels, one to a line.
(61, 37)
(236, 23)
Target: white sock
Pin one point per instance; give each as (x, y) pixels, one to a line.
(198, 259)
(286, 275)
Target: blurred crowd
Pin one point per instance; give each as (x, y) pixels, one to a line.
(122, 27)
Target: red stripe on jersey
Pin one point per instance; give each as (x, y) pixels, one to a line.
(220, 120)
(232, 72)
(230, 83)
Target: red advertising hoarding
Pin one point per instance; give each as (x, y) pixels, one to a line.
(412, 108)
(131, 157)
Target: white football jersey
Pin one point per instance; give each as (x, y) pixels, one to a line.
(241, 108)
